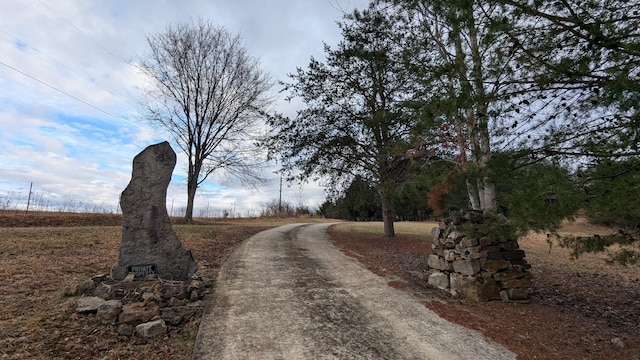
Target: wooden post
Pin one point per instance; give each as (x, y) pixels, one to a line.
(29, 197)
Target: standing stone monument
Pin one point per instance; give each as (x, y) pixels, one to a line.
(149, 244)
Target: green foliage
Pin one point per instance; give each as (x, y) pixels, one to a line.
(611, 189)
(497, 228)
(626, 255)
(535, 196)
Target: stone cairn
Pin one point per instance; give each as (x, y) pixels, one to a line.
(154, 283)
(467, 260)
(145, 307)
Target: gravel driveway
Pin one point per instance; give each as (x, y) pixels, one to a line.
(287, 293)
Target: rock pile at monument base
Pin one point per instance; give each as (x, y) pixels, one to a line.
(141, 307)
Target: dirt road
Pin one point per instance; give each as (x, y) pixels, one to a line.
(287, 293)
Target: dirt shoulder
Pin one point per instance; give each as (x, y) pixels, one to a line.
(577, 307)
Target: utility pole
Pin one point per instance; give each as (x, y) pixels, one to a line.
(280, 199)
(31, 187)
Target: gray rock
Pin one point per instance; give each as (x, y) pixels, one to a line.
(438, 263)
(439, 280)
(468, 242)
(455, 236)
(147, 235)
(136, 313)
(108, 312)
(618, 343)
(436, 232)
(518, 295)
(88, 304)
(86, 288)
(125, 329)
(151, 329)
(103, 291)
(467, 267)
(177, 315)
(474, 288)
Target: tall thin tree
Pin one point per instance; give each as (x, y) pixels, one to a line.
(208, 93)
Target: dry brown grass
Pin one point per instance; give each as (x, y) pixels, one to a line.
(577, 307)
(37, 262)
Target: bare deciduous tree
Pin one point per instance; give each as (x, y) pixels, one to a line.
(207, 92)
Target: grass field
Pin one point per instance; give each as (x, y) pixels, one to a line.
(43, 253)
(401, 228)
(37, 262)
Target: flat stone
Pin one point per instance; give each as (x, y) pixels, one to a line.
(520, 264)
(125, 329)
(151, 329)
(138, 312)
(478, 289)
(449, 255)
(438, 263)
(86, 288)
(474, 217)
(108, 312)
(468, 242)
(466, 267)
(512, 255)
(177, 315)
(495, 265)
(104, 291)
(485, 241)
(178, 291)
(516, 294)
(511, 274)
(88, 304)
(148, 239)
(439, 280)
(509, 245)
(492, 249)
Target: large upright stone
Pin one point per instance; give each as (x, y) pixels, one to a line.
(149, 243)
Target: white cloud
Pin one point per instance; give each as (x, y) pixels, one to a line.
(82, 148)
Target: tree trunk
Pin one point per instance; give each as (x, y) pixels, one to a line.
(387, 213)
(486, 186)
(192, 185)
(191, 195)
(474, 200)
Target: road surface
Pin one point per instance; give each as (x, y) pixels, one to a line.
(288, 293)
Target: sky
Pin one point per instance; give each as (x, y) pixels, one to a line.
(69, 122)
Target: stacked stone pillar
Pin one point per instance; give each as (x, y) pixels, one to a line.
(468, 259)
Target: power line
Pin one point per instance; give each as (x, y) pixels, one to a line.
(77, 99)
(89, 37)
(64, 66)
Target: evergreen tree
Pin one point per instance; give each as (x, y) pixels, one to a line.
(354, 123)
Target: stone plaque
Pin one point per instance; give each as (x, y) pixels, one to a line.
(141, 271)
